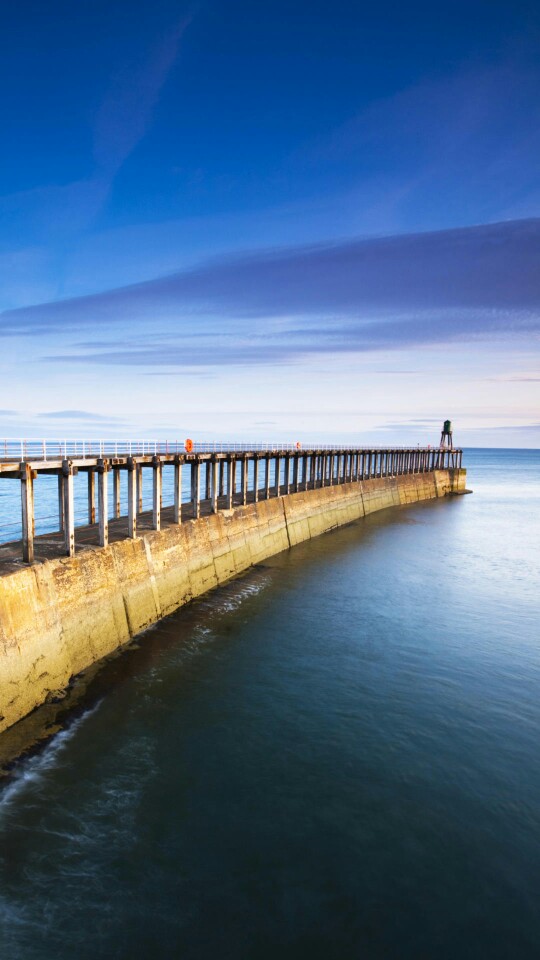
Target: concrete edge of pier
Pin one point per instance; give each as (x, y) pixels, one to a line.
(60, 616)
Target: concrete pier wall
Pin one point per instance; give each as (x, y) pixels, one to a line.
(60, 616)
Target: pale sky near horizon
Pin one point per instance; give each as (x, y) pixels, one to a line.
(289, 221)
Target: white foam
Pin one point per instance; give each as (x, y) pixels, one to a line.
(31, 773)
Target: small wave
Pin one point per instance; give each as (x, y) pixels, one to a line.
(30, 774)
(231, 598)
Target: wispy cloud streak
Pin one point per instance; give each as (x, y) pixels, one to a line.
(450, 286)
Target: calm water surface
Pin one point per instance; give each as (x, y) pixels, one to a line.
(336, 756)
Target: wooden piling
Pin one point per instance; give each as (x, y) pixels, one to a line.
(229, 484)
(214, 485)
(28, 519)
(157, 479)
(103, 503)
(196, 488)
(91, 497)
(132, 497)
(177, 491)
(69, 509)
(256, 478)
(116, 492)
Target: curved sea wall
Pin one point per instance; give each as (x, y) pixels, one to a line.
(60, 616)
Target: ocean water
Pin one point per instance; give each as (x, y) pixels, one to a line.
(336, 756)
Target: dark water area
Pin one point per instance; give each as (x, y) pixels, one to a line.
(336, 756)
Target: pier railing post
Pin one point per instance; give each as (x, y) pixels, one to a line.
(103, 502)
(27, 505)
(132, 497)
(69, 509)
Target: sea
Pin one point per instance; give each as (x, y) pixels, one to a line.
(334, 757)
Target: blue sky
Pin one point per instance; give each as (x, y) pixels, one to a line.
(284, 221)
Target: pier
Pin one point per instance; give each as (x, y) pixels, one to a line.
(174, 521)
(221, 477)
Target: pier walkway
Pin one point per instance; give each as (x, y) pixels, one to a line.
(221, 476)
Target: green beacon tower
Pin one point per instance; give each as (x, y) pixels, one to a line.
(446, 435)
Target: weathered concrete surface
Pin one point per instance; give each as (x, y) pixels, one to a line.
(60, 616)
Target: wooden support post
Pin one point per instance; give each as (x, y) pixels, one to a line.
(256, 478)
(177, 481)
(221, 478)
(277, 478)
(295, 472)
(103, 502)
(229, 484)
(267, 477)
(157, 483)
(116, 492)
(27, 505)
(196, 488)
(233, 479)
(139, 488)
(286, 472)
(60, 502)
(132, 497)
(69, 508)
(244, 480)
(215, 487)
(91, 497)
(208, 480)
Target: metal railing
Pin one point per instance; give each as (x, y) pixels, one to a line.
(21, 449)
